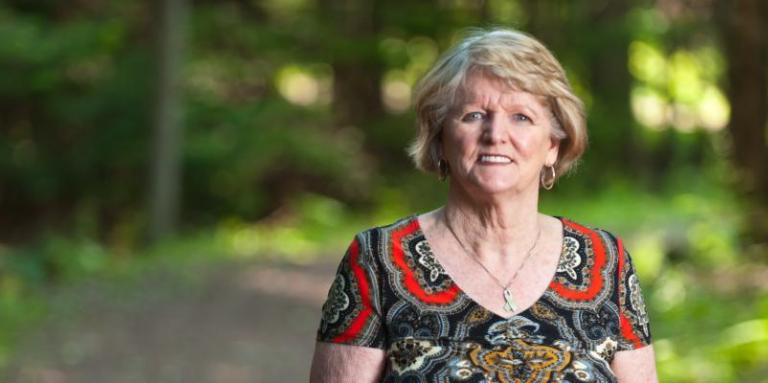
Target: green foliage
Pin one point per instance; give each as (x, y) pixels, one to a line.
(273, 169)
(707, 327)
(707, 336)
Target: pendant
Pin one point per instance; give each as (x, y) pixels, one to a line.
(510, 301)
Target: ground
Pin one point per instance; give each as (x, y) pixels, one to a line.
(229, 323)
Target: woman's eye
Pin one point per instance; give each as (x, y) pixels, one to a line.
(521, 117)
(474, 116)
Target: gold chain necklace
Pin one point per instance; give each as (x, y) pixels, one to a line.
(509, 301)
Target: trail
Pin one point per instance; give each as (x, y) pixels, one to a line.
(236, 322)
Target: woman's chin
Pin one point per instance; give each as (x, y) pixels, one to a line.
(490, 187)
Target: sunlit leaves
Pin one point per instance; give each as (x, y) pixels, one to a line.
(647, 64)
(677, 90)
(303, 86)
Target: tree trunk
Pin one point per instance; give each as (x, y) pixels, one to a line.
(744, 28)
(357, 72)
(165, 168)
(604, 51)
(610, 82)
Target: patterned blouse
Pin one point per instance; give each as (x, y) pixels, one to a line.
(391, 293)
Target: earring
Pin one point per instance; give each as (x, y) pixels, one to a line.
(442, 168)
(548, 184)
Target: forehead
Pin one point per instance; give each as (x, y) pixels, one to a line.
(485, 90)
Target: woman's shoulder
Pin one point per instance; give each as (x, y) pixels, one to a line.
(592, 250)
(596, 268)
(377, 239)
(595, 235)
(400, 226)
(590, 266)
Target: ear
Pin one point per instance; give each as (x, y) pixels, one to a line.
(552, 151)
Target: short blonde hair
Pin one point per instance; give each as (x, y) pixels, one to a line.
(515, 58)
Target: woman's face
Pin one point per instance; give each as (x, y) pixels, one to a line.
(499, 139)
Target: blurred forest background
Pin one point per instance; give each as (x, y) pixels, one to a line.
(175, 131)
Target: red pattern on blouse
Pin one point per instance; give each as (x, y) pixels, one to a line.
(624, 324)
(365, 292)
(596, 280)
(444, 297)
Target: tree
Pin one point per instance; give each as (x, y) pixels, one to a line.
(165, 172)
(592, 40)
(744, 31)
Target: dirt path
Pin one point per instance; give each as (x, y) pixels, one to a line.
(230, 323)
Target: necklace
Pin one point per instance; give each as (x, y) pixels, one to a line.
(509, 301)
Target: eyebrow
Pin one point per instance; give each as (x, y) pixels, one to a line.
(528, 109)
(510, 105)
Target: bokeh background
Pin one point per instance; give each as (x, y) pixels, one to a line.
(178, 178)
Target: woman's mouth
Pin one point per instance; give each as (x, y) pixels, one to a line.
(494, 159)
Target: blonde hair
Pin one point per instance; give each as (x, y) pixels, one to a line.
(515, 58)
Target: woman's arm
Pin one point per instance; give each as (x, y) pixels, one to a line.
(635, 366)
(340, 363)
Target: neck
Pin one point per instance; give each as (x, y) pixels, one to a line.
(494, 228)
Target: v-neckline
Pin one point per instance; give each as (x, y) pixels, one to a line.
(472, 300)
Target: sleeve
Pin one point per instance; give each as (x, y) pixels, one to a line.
(634, 326)
(351, 313)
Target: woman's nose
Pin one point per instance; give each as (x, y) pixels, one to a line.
(493, 130)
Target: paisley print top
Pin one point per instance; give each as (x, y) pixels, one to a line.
(391, 293)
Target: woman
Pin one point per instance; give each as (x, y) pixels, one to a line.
(486, 288)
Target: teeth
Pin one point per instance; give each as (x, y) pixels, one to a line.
(495, 159)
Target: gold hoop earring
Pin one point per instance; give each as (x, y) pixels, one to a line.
(442, 168)
(548, 184)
